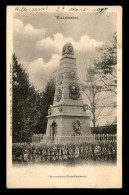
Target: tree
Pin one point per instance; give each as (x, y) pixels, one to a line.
(98, 100)
(29, 107)
(46, 97)
(107, 65)
(25, 101)
(19, 94)
(100, 88)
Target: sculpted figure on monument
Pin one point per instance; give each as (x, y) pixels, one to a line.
(58, 95)
(68, 49)
(60, 78)
(49, 111)
(60, 108)
(74, 91)
(72, 74)
(85, 107)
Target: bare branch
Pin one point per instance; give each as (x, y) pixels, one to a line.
(106, 114)
(113, 75)
(109, 89)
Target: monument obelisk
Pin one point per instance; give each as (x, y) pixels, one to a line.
(67, 116)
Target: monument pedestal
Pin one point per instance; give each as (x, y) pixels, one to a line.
(60, 128)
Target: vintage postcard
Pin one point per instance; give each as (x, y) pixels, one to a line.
(64, 96)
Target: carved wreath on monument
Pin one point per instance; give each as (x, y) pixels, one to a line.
(58, 95)
(74, 91)
(77, 126)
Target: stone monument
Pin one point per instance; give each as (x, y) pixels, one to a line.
(67, 116)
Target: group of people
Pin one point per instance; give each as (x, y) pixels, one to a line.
(29, 153)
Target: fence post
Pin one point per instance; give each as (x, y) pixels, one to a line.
(103, 137)
(98, 137)
(113, 137)
(107, 137)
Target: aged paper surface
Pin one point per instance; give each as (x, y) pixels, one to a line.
(36, 34)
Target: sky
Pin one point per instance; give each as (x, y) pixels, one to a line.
(38, 39)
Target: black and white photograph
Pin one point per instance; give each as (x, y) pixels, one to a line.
(64, 96)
